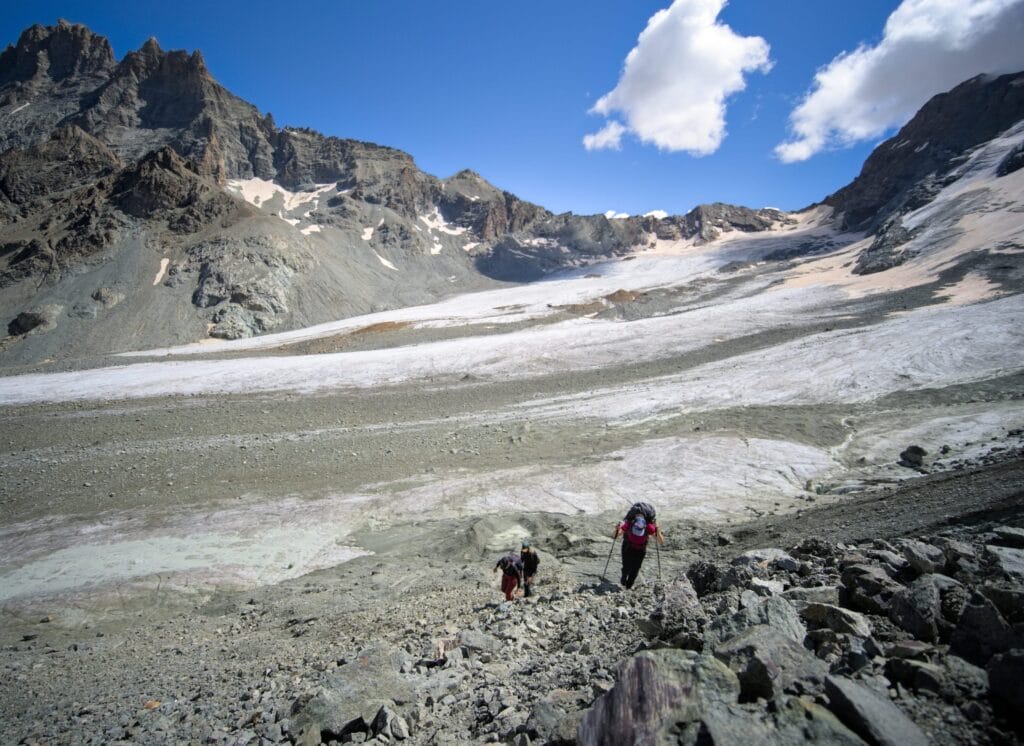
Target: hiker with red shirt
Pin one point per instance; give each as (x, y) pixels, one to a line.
(635, 532)
(511, 574)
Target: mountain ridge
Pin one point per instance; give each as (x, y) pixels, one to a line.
(165, 164)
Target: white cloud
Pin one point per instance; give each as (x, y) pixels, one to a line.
(660, 214)
(928, 46)
(676, 79)
(612, 215)
(608, 137)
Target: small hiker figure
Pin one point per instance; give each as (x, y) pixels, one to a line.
(530, 561)
(511, 574)
(638, 525)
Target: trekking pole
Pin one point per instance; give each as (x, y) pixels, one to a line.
(657, 547)
(610, 550)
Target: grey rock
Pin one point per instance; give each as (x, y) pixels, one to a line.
(916, 675)
(917, 609)
(555, 718)
(354, 694)
(704, 577)
(837, 619)
(679, 615)
(913, 456)
(1007, 560)
(769, 558)
(981, 632)
(774, 612)
(479, 642)
(822, 594)
(39, 319)
(923, 558)
(655, 692)
(955, 550)
(909, 649)
(1008, 598)
(868, 588)
(792, 721)
(107, 297)
(1006, 680)
(876, 720)
(766, 587)
(767, 664)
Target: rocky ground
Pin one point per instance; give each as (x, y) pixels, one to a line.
(898, 620)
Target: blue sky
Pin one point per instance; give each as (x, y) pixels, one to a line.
(507, 89)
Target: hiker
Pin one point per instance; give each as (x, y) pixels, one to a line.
(530, 562)
(511, 574)
(636, 528)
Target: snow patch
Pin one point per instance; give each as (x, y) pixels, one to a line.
(310, 230)
(160, 273)
(385, 262)
(470, 246)
(15, 111)
(435, 221)
(367, 234)
(612, 215)
(436, 248)
(659, 214)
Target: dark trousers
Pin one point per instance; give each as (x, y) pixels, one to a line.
(632, 558)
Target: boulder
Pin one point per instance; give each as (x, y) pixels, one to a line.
(354, 694)
(868, 588)
(913, 456)
(42, 318)
(909, 649)
(775, 612)
(981, 632)
(915, 675)
(555, 718)
(1009, 536)
(766, 587)
(657, 691)
(769, 559)
(837, 619)
(767, 663)
(1007, 560)
(955, 551)
(876, 720)
(822, 594)
(917, 609)
(1008, 598)
(792, 721)
(1006, 680)
(703, 577)
(481, 644)
(678, 617)
(923, 558)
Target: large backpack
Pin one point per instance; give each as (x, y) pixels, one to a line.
(644, 509)
(510, 564)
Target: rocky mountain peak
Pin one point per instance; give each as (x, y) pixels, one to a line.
(907, 170)
(56, 53)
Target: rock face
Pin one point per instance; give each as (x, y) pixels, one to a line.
(906, 170)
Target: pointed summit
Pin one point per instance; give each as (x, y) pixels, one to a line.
(56, 53)
(151, 48)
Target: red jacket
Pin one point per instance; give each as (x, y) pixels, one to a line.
(637, 542)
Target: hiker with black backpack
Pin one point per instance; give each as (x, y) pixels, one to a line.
(530, 563)
(511, 574)
(638, 525)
